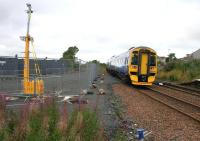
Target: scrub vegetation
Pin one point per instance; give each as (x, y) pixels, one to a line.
(48, 122)
(180, 71)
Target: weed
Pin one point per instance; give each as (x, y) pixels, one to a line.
(119, 136)
(83, 125)
(90, 125)
(35, 129)
(45, 123)
(53, 117)
(180, 71)
(21, 129)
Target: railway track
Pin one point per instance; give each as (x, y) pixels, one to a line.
(188, 90)
(187, 108)
(179, 95)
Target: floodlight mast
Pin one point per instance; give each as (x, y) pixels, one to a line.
(33, 87)
(26, 58)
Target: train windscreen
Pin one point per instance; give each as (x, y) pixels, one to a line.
(134, 59)
(152, 61)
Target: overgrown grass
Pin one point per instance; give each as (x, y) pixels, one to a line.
(49, 122)
(119, 136)
(119, 113)
(83, 126)
(180, 71)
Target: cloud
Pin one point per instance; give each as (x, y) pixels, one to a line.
(103, 28)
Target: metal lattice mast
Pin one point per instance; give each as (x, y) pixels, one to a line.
(27, 39)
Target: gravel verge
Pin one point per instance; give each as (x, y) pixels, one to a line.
(165, 123)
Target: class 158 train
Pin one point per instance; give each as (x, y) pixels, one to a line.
(138, 65)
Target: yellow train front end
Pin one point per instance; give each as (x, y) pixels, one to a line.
(142, 65)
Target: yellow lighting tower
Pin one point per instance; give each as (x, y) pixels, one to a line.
(35, 86)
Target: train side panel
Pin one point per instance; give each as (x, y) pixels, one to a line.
(118, 65)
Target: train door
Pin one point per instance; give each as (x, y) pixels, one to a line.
(144, 64)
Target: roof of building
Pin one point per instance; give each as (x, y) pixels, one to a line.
(197, 51)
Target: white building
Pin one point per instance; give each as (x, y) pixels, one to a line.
(162, 59)
(195, 55)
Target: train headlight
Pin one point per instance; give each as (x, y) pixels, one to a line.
(152, 68)
(134, 67)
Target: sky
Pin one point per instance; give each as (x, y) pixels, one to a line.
(101, 28)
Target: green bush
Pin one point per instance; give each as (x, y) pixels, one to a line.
(180, 70)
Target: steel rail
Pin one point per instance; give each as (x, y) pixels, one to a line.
(183, 89)
(170, 106)
(184, 101)
(179, 89)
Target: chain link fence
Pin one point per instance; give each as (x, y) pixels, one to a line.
(59, 75)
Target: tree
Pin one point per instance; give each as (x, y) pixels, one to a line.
(70, 53)
(95, 61)
(171, 57)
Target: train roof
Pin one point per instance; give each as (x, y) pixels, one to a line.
(141, 47)
(121, 54)
(130, 50)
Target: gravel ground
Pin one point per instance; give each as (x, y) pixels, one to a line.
(105, 109)
(165, 123)
(111, 111)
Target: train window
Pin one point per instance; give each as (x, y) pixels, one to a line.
(135, 60)
(127, 61)
(152, 60)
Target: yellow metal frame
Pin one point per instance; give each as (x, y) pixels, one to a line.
(31, 87)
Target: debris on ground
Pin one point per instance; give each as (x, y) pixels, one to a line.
(75, 99)
(158, 83)
(66, 98)
(129, 129)
(94, 85)
(10, 98)
(84, 92)
(101, 92)
(90, 92)
(109, 113)
(78, 100)
(36, 100)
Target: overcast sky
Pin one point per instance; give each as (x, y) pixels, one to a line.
(101, 28)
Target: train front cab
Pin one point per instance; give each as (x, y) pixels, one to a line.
(142, 66)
